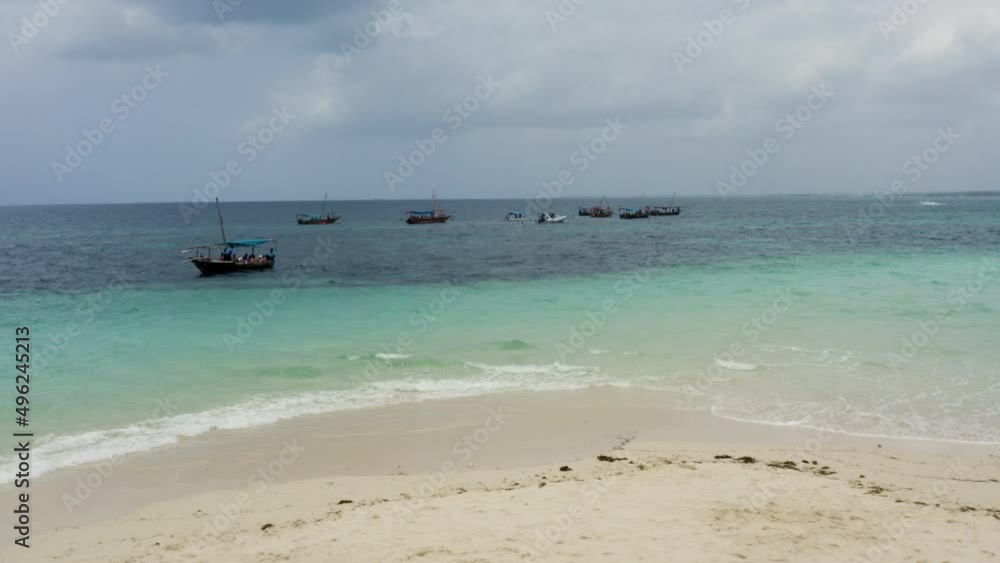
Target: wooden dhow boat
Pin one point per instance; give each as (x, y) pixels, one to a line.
(632, 213)
(323, 218)
(665, 210)
(228, 260)
(435, 215)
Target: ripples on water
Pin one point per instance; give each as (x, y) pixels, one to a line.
(78, 247)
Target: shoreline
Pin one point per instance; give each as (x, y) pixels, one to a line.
(204, 418)
(702, 426)
(860, 435)
(473, 443)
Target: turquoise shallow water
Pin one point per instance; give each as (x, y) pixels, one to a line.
(773, 319)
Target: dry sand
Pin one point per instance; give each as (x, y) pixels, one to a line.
(516, 477)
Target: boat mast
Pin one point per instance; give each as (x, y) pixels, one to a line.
(434, 198)
(324, 201)
(221, 225)
(672, 199)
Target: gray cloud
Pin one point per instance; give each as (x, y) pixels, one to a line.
(256, 11)
(364, 97)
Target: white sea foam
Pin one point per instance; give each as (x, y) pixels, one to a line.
(735, 366)
(931, 203)
(54, 452)
(388, 356)
(87, 447)
(541, 374)
(833, 418)
(876, 419)
(790, 356)
(378, 356)
(598, 351)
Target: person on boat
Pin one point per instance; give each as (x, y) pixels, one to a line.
(227, 254)
(270, 255)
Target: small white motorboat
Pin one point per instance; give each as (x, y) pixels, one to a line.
(550, 218)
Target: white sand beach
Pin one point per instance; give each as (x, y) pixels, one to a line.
(596, 475)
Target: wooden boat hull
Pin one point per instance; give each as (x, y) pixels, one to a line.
(597, 212)
(427, 220)
(217, 267)
(433, 216)
(318, 221)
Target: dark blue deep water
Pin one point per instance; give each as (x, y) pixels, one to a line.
(75, 247)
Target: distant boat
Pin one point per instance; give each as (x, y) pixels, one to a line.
(665, 210)
(660, 211)
(323, 218)
(597, 211)
(514, 216)
(632, 213)
(228, 261)
(435, 215)
(544, 218)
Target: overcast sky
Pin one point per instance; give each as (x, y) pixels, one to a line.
(200, 77)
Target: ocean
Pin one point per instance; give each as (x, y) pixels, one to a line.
(840, 312)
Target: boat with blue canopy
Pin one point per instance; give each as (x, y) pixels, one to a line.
(632, 213)
(435, 215)
(229, 259)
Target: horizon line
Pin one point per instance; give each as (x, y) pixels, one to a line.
(641, 196)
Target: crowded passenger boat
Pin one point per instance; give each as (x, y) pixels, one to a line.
(632, 213)
(435, 215)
